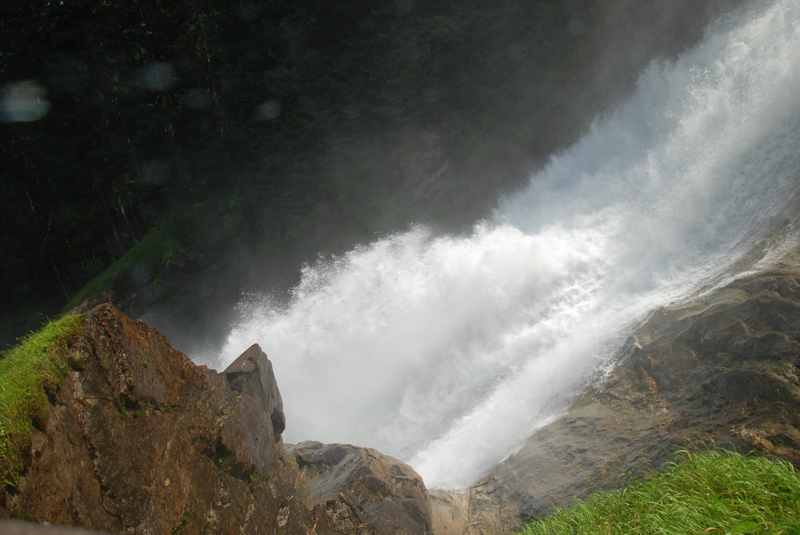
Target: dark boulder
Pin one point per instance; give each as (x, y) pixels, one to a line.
(360, 490)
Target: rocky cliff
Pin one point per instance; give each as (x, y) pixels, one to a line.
(138, 439)
(361, 490)
(719, 370)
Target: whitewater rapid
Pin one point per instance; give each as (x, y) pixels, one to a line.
(449, 351)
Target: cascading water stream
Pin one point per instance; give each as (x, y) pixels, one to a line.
(448, 351)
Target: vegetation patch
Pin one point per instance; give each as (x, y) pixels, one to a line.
(156, 251)
(25, 370)
(171, 244)
(711, 493)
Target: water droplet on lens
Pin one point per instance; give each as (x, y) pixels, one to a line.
(24, 102)
(268, 111)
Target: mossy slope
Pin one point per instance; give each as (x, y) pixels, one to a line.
(711, 493)
(148, 257)
(24, 372)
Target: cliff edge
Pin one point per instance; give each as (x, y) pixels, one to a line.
(135, 438)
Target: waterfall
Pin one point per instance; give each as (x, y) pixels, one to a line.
(449, 351)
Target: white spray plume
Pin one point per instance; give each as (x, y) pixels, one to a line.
(448, 352)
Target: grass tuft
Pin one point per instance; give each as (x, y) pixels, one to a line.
(24, 371)
(714, 493)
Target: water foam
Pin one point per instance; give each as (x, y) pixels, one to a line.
(448, 351)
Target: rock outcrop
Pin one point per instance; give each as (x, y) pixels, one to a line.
(138, 439)
(360, 490)
(449, 511)
(722, 370)
(15, 527)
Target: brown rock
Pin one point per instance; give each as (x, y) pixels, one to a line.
(13, 527)
(449, 511)
(360, 490)
(140, 440)
(260, 408)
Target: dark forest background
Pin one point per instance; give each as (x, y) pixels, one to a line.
(193, 150)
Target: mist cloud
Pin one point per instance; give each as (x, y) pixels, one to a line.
(448, 351)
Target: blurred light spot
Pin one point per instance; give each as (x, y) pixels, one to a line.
(24, 102)
(268, 111)
(158, 76)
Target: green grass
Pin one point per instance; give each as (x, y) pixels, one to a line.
(24, 370)
(709, 493)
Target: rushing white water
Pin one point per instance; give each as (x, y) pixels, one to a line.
(449, 351)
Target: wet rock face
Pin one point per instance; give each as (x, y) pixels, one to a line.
(140, 440)
(719, 371)
(360, 490)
